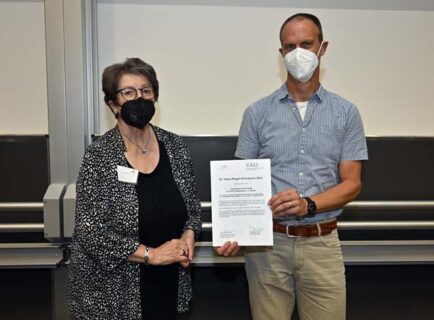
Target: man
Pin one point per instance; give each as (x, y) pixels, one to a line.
(316, 142)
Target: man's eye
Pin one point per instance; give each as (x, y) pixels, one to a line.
(147, 91)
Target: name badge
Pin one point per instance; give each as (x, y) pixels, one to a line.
(128, 175)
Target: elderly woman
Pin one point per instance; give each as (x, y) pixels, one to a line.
(137, 213)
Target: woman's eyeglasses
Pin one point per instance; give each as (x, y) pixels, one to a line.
(130, 93)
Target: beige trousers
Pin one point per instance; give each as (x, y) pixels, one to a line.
(307, 271)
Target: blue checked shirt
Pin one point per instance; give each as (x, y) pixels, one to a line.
(304, 154)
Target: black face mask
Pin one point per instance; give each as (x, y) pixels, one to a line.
(138, 113)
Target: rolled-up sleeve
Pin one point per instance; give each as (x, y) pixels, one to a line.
(354, 145)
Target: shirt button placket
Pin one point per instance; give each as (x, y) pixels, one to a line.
(302, 157)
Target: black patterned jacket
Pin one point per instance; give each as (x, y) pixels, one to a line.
(102, 284)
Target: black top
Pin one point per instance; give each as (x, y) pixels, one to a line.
(162, 215)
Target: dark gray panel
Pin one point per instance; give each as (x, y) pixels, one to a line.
(203, 150)
(399, 168)
(25, 294)
(24, 177)
(23, 168)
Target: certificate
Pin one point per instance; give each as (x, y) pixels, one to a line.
(240, 190)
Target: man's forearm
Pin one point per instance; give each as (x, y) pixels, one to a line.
(337, 196)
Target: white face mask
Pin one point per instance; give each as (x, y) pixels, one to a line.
(301, 63)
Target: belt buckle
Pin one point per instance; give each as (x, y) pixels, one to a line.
(290, 235)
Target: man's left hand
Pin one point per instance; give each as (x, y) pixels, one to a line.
(288, 202)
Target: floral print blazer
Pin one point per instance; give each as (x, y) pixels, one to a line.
(102, 283)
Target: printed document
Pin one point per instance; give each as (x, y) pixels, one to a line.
(240, 190)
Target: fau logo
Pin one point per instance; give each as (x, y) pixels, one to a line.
(251, 164)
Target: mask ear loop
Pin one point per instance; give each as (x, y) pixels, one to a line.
(319, 51)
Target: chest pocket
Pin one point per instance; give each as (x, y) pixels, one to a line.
(329, 143)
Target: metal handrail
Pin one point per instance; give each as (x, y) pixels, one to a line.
(19, 206)
(363, 252)
(207, 226)
(343, 225)
(385, 225)
(21, 227)
(408, 205)
(31, 255)
(372, 205)
(369, 225)
(37, 206)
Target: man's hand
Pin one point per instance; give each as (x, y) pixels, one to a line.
(288, 202)
(228, 249)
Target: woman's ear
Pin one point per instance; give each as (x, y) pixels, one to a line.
(114, 108)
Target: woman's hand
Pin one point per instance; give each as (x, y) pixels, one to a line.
(228, 249)
(175, 250)
(188, 237)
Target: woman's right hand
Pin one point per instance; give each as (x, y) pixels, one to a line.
(172, 251)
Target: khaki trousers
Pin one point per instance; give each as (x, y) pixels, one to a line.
(308, 271)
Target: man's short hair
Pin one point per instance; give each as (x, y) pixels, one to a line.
(301, 16)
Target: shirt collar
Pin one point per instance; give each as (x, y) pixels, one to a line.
(282, 93)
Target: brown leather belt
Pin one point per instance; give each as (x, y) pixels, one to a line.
(313, 230)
